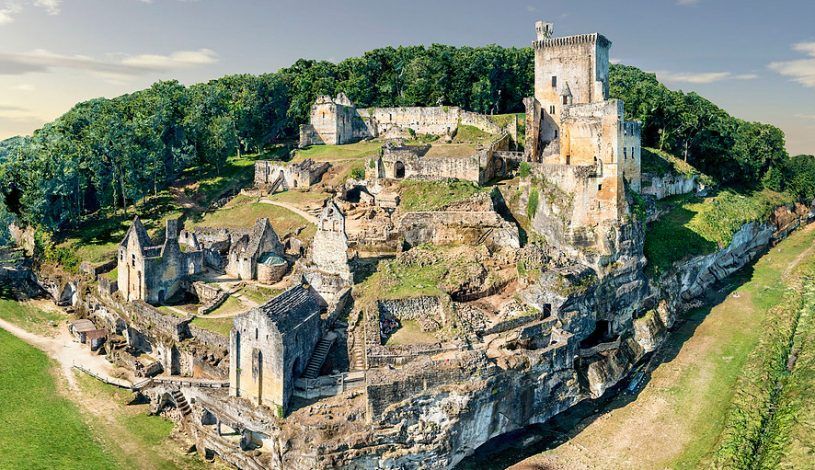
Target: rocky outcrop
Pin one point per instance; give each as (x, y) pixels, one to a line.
(662, 186)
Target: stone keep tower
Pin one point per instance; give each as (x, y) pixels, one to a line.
(568, 70)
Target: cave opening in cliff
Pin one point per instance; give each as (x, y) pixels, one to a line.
(601, 334)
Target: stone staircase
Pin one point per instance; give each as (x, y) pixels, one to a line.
(318, 357)
(181, 403)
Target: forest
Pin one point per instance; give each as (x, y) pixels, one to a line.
(109, 153)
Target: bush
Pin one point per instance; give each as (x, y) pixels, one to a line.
(525, 170)
(532, 205)
(358, 173)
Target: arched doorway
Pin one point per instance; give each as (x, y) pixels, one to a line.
(237, 357)
(399, 170)
(260, 378)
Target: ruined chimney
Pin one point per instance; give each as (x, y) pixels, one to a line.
(544, 30)
(172, 229)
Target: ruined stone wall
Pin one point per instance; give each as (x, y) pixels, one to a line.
(581, 61)
(631, 162)
(668, 185)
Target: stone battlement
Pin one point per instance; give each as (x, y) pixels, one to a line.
(594, 38)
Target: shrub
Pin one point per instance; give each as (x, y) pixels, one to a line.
(525, 170)
(532, 205)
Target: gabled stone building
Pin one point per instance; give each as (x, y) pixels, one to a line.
(151, 272)
(270, 346)
(247, 250)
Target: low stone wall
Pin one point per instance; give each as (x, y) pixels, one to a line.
(384, 356)
(208, 338)
(95, 270)
(213, 304)
(426, 310)
(205, 292)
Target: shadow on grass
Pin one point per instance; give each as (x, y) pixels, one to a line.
(513, 447)
(670, 240)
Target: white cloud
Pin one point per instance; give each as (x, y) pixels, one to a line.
(700, 78)
(808, 117)
(800, 70)
(175, 60)
(686, 3)
(50, 6)
(615, 60)
(8, 12)
(41, 60)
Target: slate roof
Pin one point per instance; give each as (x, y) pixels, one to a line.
(289, 309)
(137, 229)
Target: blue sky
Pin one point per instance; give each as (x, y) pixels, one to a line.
(756, 59)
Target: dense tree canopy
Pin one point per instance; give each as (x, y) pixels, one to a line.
(731, 150)
(108, 153)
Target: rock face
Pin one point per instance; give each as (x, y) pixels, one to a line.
(669, 185)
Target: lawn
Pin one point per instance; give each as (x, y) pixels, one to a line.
(695, 226)
(410, 333)
(27, 316)
(259, 294)
(243, 212)
(330, 153)
(40, 428)
(221, 326)
(230, 306)
(660, 163)
(140, 440)
(473, 135)
(421, 196)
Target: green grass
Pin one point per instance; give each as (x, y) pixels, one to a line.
(421, 196)
(330, 153)
(661, 163)
(221, 326)
(472, 135)
(151, 430)
(96, 238)
(410, 333)
(789, 437)
(759, 304)
(26, 316)
(696, 226)
(40, 428)
(243, 212)
(230, 306)
(259, 294)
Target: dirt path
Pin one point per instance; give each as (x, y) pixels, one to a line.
(309, 218)
(66, 352)
(677, 417)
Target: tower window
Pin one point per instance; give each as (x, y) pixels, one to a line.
(552, 109)
(565, 100)
(599, 187)
(554, 81)
(625, 153)
(555, 133)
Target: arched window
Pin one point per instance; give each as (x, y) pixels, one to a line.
(399, 170)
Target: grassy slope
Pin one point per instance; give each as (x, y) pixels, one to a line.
(220, 326)
(696, 226)
(40, 428)
(789, 439)
(96, 238)
(419, 195)
(243, 212)
(27, 316)
(331, 153)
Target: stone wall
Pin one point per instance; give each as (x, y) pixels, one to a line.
(669, 185)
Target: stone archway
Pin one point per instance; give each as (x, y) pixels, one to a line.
(398, 170)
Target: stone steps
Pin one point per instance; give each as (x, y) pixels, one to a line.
(181, 403)
(318, 357)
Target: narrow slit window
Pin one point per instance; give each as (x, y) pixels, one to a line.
(554, 81)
